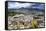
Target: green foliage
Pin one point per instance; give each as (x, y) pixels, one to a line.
(14, 13)
(11, 13)
(34, 24)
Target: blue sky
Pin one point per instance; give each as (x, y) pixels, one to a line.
(16, 5)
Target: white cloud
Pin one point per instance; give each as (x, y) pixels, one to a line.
(25, 5)
(18, 5)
